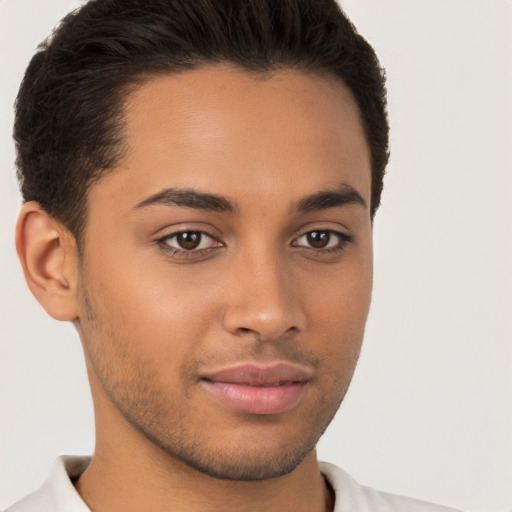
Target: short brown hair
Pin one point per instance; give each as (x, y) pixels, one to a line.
(69, 110)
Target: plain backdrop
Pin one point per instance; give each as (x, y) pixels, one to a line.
(429, 413)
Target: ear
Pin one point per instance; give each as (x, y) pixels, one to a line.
(49, 257)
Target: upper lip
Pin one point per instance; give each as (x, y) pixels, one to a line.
(253, 374)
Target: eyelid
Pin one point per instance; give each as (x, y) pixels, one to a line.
(180, 252)
(168, 229)
(343, 239)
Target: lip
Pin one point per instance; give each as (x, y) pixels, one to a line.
(259, 389)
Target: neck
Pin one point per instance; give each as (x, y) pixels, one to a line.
(129, 473)
(121, 481)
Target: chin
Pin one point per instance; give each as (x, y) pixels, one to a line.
(242, 466)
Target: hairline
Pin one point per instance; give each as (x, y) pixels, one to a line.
(136, 81)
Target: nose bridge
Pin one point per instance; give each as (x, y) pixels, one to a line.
(262, 299)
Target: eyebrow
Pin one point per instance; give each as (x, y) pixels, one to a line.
(324, 200)
(189, 198)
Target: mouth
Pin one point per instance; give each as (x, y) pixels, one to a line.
(259, 389)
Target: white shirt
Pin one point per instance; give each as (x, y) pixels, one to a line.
(58, 494)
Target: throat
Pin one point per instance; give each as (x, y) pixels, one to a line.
(111, 489)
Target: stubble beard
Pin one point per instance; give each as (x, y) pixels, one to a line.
(193, 448)
(137, 398)
(237, 463)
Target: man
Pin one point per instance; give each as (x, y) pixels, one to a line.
(200, 183)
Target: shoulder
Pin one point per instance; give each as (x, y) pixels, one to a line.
(57, 493)
(353, 497)
(40, 500)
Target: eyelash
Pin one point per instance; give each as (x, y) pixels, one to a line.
(184, 253)
(343, 240)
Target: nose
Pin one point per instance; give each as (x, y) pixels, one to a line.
(263, 299)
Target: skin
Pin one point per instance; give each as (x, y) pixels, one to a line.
(154, 317)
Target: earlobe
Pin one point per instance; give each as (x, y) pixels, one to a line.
(48, 255)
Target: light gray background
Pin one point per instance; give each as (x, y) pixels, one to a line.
(429, 411)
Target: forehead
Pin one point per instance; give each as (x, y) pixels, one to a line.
(229, 131)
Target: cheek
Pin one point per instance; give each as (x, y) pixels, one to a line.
(145, 311)
(338, 306)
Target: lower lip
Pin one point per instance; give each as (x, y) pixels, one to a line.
(258, 399)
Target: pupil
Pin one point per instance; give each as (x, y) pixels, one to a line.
(318, 239)
(189, 240)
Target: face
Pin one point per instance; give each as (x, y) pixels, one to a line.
(227, 267)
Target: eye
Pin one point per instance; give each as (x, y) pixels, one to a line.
(323, 239)
(188, 241)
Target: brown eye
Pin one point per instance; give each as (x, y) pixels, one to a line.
(324, 240)
(318, 239)
(189, 239)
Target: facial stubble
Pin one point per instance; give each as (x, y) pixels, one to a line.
(136, 394)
